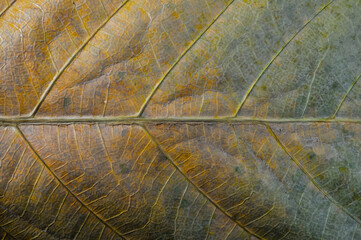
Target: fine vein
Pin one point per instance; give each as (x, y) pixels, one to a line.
(70, 60)
(65, 187)
(275, 56)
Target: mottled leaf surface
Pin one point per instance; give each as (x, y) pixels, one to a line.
(207, 119)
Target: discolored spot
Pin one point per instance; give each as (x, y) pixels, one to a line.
(66, 102)
(355, 197)
(121, 75)
(321, 177)
(124, 169)
(185, 203)
(311, 155)
(334, 85)
(238, 170)
(343, 170)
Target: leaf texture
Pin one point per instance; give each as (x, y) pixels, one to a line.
(134, 119)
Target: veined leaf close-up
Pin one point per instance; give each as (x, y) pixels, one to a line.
(180, 119)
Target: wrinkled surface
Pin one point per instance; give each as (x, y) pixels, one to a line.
(209, 119)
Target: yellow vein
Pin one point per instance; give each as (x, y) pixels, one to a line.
(275, 56)
(7, 8)
(344, 97)
(63, 185)
(333, 201)
(71, 59)
(180, 58)
(194, 185)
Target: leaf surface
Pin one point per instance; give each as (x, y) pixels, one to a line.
(133, 119)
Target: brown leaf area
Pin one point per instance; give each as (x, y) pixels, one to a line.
(180, 119)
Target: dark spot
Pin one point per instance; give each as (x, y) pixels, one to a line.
(256, 188)
(177, 189)
(184, 203)
(355, 197)
(343, 169)
(334, 85)
(321, 177)
(163, 158)
(238, 169)
(311, 155)
(120, 76)
(66, 102)
(124, 169)
(344, 130)
(125, 132)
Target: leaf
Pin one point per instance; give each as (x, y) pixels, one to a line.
(133, 119)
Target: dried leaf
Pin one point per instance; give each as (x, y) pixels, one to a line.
(134, 119)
